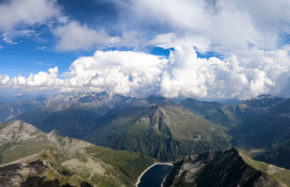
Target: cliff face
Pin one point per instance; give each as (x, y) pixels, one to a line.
(220, 168)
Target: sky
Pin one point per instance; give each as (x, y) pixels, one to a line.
(208, 49)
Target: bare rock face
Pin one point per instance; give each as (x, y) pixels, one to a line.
(30, 157)
(18, 131)
(15, 174)
(219, 168)
(32, 174)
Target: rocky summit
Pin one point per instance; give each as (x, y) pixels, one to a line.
(32, 158)
(229, 168)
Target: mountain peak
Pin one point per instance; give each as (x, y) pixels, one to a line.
(21, 126)
(156, 99)
(53, 136)
(92, 97)
(212, 156)
(265, 96)
(18, 131)
(41, 161)
(219, 168)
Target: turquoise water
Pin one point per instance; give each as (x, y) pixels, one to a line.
(154, 176)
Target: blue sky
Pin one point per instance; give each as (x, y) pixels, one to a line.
(175, 48)
(37, 53)
(31, 54)
(25, 58)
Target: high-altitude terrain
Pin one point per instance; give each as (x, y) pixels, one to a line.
(229, 168)
(152, 126)
(30, 157)
(163, 128)
(277, 155)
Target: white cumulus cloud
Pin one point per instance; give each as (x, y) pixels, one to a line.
(19, 18)
(183, 74)
(226, 26)
(75, 36)
(124, 72)
(188, 75)
(17, 13)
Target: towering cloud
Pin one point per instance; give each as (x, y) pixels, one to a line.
(188, 75)
(183, 74)
(251, 38)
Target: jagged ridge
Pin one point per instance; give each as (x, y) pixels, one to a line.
(224, 168)
(31, 157)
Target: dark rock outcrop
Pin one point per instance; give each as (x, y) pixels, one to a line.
(215, 169)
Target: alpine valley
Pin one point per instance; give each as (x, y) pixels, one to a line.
(103, 139)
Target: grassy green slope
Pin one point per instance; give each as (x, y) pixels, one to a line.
(166, 132)
(274, 172)
(213, 111)
(277, 155)
(70, 160)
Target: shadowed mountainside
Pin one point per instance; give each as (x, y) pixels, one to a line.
(225, 168)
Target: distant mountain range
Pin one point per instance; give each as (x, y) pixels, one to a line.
(160, 127)
(48, 154)
(152, 126)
